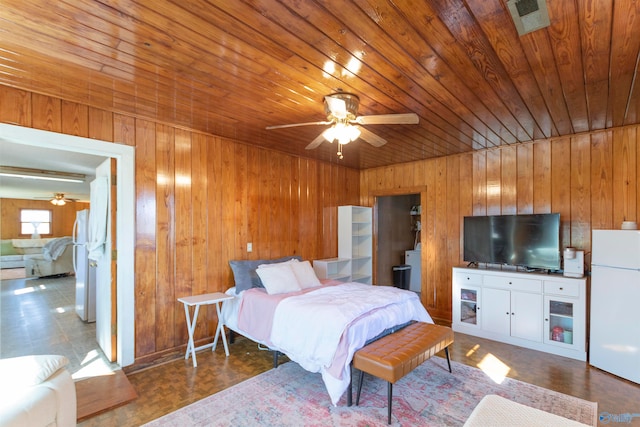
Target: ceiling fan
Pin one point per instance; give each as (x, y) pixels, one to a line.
(342, 114)
(59, 199)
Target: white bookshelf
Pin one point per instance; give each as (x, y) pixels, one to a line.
(355, 241)
(333, 268)
(355, 246)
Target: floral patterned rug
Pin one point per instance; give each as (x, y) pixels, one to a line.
(428, 396)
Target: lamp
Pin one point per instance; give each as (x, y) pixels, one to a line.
(343, 132)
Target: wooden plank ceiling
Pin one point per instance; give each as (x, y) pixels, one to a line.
(231, 68)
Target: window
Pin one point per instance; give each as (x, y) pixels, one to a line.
(35, 221)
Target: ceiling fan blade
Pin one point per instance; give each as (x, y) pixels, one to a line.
(370, 137)
(389, 119)
(316, 142)
(297, 124)
(337, 106)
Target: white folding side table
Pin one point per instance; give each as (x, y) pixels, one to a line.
(198, 300)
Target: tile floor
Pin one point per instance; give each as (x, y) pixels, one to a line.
(37, 316)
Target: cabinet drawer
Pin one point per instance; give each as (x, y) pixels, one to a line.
(562, 288)
(513, 283)
(469, 279)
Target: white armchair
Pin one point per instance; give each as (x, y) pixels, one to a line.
(37, 391)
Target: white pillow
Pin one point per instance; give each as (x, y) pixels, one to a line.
(275, 264)
(278, 279)
(306, 276)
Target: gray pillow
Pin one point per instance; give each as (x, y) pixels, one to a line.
(244, 271)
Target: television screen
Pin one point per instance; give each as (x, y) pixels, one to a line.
(531, 241)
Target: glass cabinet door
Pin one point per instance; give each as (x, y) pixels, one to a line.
(469, 305)
(559, 319)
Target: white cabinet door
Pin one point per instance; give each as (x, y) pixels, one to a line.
(467, 301)
(526, 316)
(466, 308)
(511, 313)
(496, 311)
(563, 320)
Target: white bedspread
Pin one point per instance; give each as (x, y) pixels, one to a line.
(322, 329)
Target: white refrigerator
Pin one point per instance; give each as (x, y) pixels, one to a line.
(414, 259)
(614, 344)
(85, 275)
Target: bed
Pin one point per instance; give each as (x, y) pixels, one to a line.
(282, 305)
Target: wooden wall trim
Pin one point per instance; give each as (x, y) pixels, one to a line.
(416, 189)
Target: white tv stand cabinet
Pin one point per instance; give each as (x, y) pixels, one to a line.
(545, 312)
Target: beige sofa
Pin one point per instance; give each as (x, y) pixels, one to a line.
(36, 257)
(37, 391)
(14, 252)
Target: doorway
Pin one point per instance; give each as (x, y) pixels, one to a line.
(125, 217)
(398, 230)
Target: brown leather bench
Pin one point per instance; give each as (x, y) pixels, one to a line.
(394, 356)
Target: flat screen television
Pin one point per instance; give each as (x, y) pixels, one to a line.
(530, 241)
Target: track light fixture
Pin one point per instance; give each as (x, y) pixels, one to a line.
(27, 173)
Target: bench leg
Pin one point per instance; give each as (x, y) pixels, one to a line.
(359, 388)
(389, 397)
(350, 390)
(446, 351)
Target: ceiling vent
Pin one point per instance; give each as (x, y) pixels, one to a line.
(529, 15)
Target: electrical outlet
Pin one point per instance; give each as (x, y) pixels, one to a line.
(249, 247)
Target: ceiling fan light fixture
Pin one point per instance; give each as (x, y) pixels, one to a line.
(58, 200)
(354, 133)
(330, 134)
(345, 133)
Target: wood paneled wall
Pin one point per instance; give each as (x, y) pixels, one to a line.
(199, 200)
(590, 179)
(62, 217)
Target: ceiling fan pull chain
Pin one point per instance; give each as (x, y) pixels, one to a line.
(340, 156)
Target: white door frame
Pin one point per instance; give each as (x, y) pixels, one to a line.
(125, 216)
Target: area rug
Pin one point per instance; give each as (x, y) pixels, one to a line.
(428, 396)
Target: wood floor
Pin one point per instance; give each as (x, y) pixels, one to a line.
(165, 388)
(103, 393)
